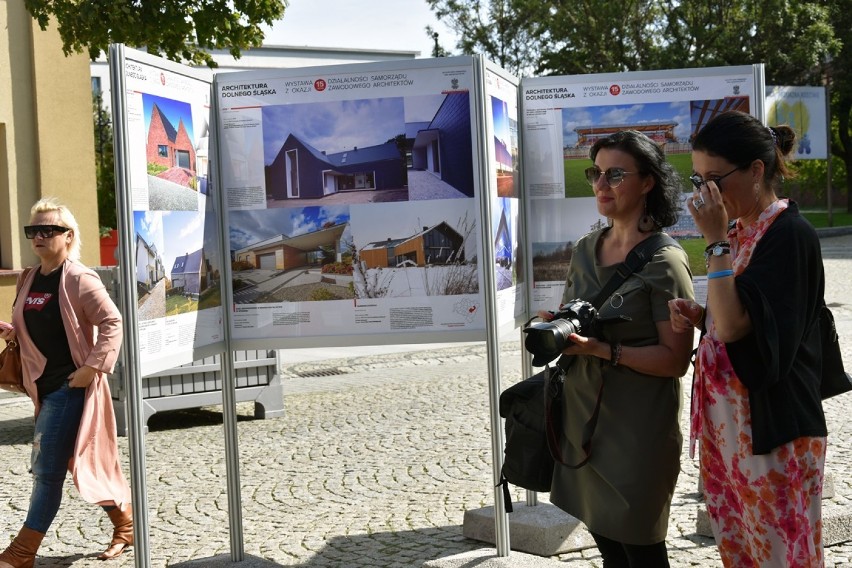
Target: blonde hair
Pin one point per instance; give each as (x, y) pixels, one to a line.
(52, 205)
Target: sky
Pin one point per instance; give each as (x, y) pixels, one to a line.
(337, 126)
(249, 227)
(361, 24)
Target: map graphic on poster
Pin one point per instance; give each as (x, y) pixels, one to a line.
(803, 109)
(175, 225)
(562, 119)
(351, 198)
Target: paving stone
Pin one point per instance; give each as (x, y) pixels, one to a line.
(372, 468)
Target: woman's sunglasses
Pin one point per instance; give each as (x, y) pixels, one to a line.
(44, 231)
(613, 176)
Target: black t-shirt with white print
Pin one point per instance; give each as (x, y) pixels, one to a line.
(44, 323)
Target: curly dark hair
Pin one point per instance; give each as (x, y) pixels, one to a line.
(663, 202)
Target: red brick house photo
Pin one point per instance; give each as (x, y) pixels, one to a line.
(171, 148)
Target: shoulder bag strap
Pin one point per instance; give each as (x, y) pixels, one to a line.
(636, 260)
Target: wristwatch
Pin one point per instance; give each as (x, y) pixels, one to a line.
(716, 249)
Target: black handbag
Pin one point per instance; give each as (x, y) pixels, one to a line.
(835, 380)
(532, 407)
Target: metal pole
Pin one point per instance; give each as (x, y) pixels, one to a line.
(828, 148)
(132, 371)
(501, 520)
(229, 398)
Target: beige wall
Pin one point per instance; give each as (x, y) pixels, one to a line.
(46, 139)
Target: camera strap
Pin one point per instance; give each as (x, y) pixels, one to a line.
(636, 260)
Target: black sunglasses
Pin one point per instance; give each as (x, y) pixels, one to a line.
(698, 181)
(613, 176)
(45, 231)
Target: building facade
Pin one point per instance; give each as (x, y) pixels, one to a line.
(46, 139)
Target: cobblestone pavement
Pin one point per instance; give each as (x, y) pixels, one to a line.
(371, 467)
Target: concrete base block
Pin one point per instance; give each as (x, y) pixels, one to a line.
(224, 561)
(836, 523)
(828, 486)
(487, 558)
(702, 523)
(543, 529)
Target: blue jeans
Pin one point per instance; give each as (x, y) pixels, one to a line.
(53, 445)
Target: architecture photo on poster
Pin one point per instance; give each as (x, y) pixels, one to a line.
(292, 255)
(402, 252)
(175, 159)
(505, 148)
(368, 150)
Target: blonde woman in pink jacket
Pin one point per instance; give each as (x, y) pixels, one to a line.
(69, 332)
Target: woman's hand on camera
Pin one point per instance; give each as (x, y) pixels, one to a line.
(82, 377)
(581, 345)
(544, 315)
(685, 314)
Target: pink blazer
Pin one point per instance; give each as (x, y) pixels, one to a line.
(93, 327)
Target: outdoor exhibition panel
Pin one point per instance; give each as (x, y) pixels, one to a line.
(164, 114)
(169, 245)
(562, 117)
(353, 199)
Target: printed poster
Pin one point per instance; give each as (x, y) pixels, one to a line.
(564, 116)
(803, 109)
(352, 200)
(175, 225)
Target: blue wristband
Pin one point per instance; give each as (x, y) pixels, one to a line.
(719, 274)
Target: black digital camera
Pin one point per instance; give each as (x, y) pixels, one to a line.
(547, 339)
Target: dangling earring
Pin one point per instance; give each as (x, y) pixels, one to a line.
(646, 221)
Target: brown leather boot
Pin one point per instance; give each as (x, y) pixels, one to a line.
(122, 534)
(21, 553)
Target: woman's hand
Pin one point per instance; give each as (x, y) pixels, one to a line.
(709, 213)
(544, 315)
(7, 332)
(82, 377)
(685, 314)
(581, 345)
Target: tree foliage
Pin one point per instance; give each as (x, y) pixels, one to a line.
(840, 76)
(104, 166)
(180, 30)
(598, 36)
(506, 31)
(793, 39)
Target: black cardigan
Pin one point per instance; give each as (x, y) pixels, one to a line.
(782, 289)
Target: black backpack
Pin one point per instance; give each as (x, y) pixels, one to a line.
(527, 462)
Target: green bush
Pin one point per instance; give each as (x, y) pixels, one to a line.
(154, 169)
(321, 294)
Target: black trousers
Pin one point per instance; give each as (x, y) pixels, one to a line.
(619, 555)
